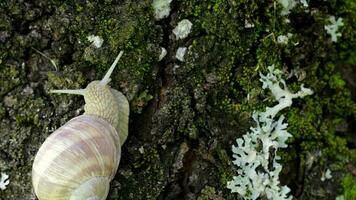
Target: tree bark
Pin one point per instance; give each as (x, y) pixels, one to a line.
(185, 115)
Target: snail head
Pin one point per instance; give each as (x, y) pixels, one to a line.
(100, 99)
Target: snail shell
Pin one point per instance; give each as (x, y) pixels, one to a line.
(78, 160)
(80, 154)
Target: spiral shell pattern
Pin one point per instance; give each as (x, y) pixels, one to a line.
(78, 155)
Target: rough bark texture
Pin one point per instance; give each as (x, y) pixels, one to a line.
(184, 115)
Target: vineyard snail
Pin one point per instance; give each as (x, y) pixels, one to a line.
(78, 160)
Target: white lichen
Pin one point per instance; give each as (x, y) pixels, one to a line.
(283, 39)
(161, 8)
(141, 150)
(256, 152)
(249, 24)
(288, 5)
(175, 68)
(332, 28)
(304, 2)
(326, 175)
(180, 53)
(163, 54)
(4, 181)
(340, 197)
(183, 29)
(95, 40)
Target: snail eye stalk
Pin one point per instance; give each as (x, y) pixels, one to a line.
(78, 92)
(106, 78)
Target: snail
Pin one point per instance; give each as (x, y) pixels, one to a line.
(78, 160)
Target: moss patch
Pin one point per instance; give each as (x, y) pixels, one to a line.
(349, 184)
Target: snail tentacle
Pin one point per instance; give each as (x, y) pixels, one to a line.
(78, 92)
(106, 78)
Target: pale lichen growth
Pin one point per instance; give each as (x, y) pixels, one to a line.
(141, 150)
(332, 28)
(95, 40)
(183, 29)
(163, 53)
(256, 152)
(288, 5)
(304, 2)
(326, 175)
(4, 181)
(283, 39)
(249, 24)
(340, 197)
(180, 53)
(161, 8)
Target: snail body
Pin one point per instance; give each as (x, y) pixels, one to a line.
(78, 160)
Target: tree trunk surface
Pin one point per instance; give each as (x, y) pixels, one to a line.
(185, 113)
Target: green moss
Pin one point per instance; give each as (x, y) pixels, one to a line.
(349, 186)
(148, 165)
(223, 169)
(347, 54)
(140, 101)
(209, 193)
(28, 111)
(336, 81)
(2, 111)
(10, 78)
(68, 80)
